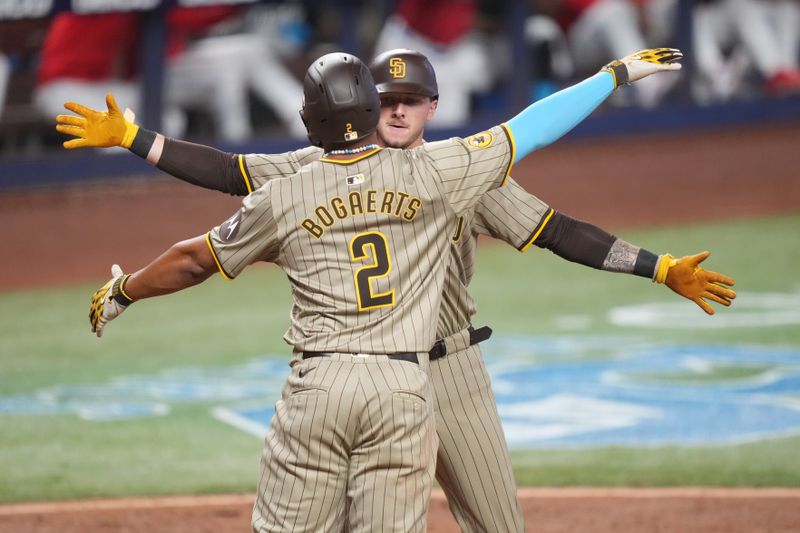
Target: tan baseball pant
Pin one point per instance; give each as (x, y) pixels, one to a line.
(351, 447)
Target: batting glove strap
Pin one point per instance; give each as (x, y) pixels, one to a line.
(619, 71)
(118, 291)
(665, 262)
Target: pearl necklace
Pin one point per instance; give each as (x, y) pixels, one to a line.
(350, 151)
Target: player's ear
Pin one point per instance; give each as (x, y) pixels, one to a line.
(432, 108)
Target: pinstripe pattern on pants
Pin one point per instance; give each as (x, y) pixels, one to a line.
(473, 465)
(352, 446)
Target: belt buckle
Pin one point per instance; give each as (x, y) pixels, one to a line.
(359, 355)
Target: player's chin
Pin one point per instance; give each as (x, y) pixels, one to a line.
(394, 139)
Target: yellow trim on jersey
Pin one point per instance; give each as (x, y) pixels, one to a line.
(513, 151)
(348, 161)
(538, 231)
(459, 229)
(216, 260)
(244, 174)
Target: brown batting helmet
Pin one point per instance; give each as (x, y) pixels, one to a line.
(404, 71)
(340, 102)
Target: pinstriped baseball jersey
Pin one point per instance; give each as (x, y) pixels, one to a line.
(509, 214)
(365, 241)
(257, 169)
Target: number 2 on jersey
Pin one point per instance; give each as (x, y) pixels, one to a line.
(371, 245)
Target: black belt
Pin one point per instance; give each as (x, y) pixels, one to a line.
(411, 357)
(481, 334)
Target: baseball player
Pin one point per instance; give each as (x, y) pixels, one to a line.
(408, 91)
(363, 237)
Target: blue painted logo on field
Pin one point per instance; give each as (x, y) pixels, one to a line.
(551, 392)
(645, 395)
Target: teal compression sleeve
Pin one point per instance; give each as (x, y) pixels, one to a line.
(547, 120)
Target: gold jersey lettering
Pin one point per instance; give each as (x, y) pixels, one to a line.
(355, 203)
(371, 201)
(392, 203)
(337, 204)
(324, 216)
(413, 205)
(401, 200)
(386, 203)
(312, 227)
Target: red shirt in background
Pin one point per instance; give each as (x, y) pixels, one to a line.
(101, 47)
(89, 47)
(441, 21)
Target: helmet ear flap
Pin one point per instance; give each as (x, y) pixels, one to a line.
(311, 138)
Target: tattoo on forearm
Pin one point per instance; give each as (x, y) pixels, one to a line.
(621, 257)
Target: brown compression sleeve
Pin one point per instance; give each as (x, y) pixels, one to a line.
(586, 244)
(203, 166)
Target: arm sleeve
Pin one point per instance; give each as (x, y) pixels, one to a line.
(208, 167)
(586, 244)
(467, 168)
(250, 235)
(547, 120)
(510, 214)
(203, 166)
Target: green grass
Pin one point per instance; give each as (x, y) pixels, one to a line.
(45, 340)
(766, 463)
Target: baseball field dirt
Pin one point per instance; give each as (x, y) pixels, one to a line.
(75, 234)
(596, 510)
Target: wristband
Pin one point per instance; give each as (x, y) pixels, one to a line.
(130, 134)
(142, 142)
(620, 72)
(121, 297)
(665, 262)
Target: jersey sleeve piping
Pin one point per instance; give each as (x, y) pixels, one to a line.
(216, 259)
(513, 146)
(537, 231)
(245, 175)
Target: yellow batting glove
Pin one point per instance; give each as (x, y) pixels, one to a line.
(97, 128)
(643, 63)
(686, 277)
(109, 301)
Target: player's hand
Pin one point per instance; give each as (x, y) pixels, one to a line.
(686, 277)
(644, 63)
(109, 301)
(97, 128)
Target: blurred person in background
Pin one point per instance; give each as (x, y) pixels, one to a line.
(444, 32)
(5, 74)
(734, 38)
(600, 28)
(203, 70)
(221, 70)
(88, 55)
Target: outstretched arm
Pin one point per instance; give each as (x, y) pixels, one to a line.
(200, 165)
(185, 264)
(248, 236)
(589, 245)
(519, 218)
(547, 120)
